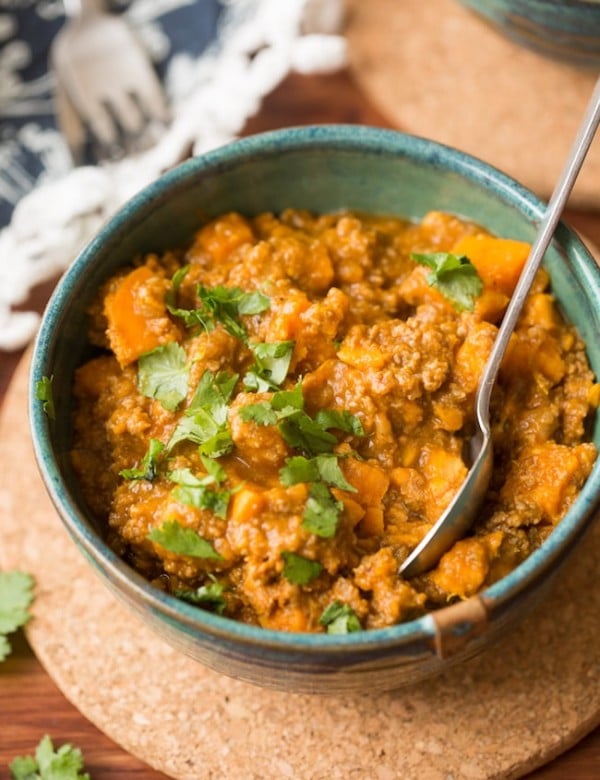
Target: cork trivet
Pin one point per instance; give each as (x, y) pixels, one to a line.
(436, 69)
(533, 695)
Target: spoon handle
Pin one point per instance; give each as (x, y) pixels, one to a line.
(459, 515)
(550, 220)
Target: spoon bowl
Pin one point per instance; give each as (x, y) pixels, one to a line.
(458, 517)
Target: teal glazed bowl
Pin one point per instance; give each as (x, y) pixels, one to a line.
(567, 30)
(322, 169)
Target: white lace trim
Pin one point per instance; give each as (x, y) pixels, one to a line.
(261, 41)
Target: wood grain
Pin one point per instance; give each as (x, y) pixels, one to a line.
(30, 703)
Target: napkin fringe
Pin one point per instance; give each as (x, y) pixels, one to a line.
(259, 43)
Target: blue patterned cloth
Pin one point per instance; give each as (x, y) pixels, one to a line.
(31, 148)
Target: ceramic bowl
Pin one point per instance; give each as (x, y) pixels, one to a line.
(319, 168)
(566, 30)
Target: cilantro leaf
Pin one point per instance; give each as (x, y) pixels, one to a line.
(454, 276)
(214, 469)
(301, 431)
(331, 473)
(341, 419)
(148, 467)
(340, 618)
(192, 318)
(202, 498)
(221, 304)
(194, 491)
(163, 374)
(322, 511)
(260, 413)
(298, 469)
(324, 467)
(297, 428)
(208, 597)
(43, 392)
(183, 541)
(272, 361)
(64, 764)
(288, 400)
(16, 594)
(300, 570)
(205, 420)
(253, 303)
(213, 394)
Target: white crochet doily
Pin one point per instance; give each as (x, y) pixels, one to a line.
(259, 43)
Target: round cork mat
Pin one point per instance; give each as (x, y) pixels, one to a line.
(500, 715)
(435, 68)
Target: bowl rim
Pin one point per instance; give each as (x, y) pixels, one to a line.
(341, 137)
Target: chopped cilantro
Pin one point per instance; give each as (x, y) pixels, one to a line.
(148, 467)
(340, 618)
(218, 304)
(324, 467)
(288, 400)
(201, 498)
(340, 419)
(322, 511)
(299, 570)
(299, 430)
(182, 541)
(331, 473)
(214, 469)
(253, 303)
(454, 276)
(43, 392)
(319, 464)
(64, 764)
(163, 374)
(208, 597)
(213, 394)
(194, 491)
(272, 361)
(261, 413)
(192, 318)
(299, 469)
(205, 420)
(16, 594)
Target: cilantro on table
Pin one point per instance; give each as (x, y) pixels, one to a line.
(43, 392)
(204, 422)
(272, 361)
(16, 595)
(66, 763)
(454, 276)
(148, 468)
(208, 597)
(183, 541)
(163, 374)
(299, 570)
(218, 304)
(340, 618)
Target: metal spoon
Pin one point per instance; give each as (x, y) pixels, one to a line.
(460, 514)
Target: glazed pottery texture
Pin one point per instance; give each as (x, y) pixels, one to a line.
(567, 30)
(322, 169)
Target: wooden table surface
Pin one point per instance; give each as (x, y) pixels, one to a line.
(30, 703)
